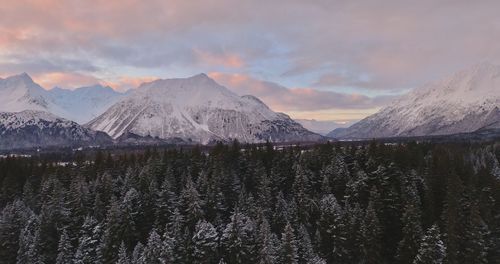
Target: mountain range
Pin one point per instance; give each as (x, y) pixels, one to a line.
(465, 102)
(199, 110)
(189, 110)
(20, 92)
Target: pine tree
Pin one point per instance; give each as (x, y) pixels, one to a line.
(174, 248)
(304, 246)
(237, 239)
(48, 227)
(432, 249)
(131, 213)
(333, 230)
(122, 255)
(474, 246)
(412, 231)
(88, 244)
(137, 256)
(113, 233)
(371, 237)
(13, 218)
(153, 249)
(205, 243)
(29, 243)
(301, 187)
(65, 249)
(289, 252)
(267, 251)
(191, 205)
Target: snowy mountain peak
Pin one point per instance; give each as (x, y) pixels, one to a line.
(19, 92)
(463, 102)
(196, 109)
(20, 81)
(23, 77)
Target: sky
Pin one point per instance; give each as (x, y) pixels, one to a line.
(317, 59)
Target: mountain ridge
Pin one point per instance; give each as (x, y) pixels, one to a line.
(461, 103)
(199, 109)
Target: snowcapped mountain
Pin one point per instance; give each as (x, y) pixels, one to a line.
(464, 102)
(85, 103)
(31, 128)
(197, 109)
(20, 92)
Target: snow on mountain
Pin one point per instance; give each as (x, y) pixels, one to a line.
(31, 128)
(197, 109)
(86, 103)
(464, 102)
(322, 127)
(19, 93)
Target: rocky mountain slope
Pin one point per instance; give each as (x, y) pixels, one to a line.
(197, 109)
(31, 129)
(464, 102)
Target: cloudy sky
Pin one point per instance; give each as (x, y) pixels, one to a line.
(324, 59)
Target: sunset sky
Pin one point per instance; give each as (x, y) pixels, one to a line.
(325, 59)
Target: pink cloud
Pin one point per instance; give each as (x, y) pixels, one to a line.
(284, 99)
(64, 80)
(228, 60)
(124, 83)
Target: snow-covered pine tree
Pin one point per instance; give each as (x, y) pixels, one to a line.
(137, 254)
(238, 240)
(65, 250)
(304, 245)
(432, 249)
(191, 205)
(88, 244)
(371, 236)
(267, 251)
(29, 243)
(332, 230)
(13, 219)
(288, 251)
(205, 243)
(123, 257)
(412, 230)
(153, 249)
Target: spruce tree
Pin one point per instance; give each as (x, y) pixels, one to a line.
(371, 232)
(205, 243)
(88, 244)
(267, 251)
(13, 218)
(333, 230)
(432, 249)
(288, 251)
(238, 240)
(153, 249)
(29, 243)
(65, 249)
(123, 257)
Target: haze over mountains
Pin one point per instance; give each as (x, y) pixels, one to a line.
(465, 102)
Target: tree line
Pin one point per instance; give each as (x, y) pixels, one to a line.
(331, 203)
